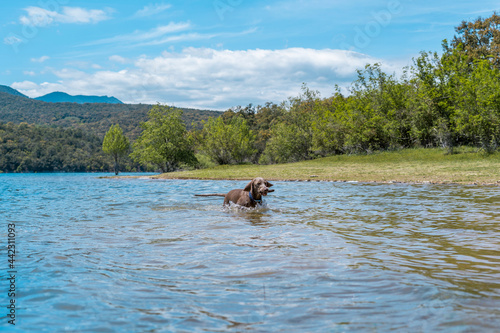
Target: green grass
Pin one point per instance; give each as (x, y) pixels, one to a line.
(466, 166)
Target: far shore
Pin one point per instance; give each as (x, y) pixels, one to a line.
(418, 166)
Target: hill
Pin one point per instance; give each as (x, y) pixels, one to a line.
(61, 97)
(93, 117)
(9, 90)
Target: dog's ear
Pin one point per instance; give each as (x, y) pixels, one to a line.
(268, 184)
(249, 186)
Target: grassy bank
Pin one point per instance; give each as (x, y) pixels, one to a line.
(466, 166)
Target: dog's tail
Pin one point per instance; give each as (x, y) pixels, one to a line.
(211, 195)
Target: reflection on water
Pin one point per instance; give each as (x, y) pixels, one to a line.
(105, 255)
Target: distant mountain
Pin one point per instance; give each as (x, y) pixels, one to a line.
(61, 97)
(9, 90)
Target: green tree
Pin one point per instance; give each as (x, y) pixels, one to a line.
(115, 144)
(479, 39)
(164, 141)
(265, 118)
(226, 143)
(290, 139)
(478, 106)
(328, 126)
(288, 143)
(434, 107)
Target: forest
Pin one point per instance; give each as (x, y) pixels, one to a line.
(445, 99)
(26, 148)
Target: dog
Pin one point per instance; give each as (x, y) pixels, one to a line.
(250, 196)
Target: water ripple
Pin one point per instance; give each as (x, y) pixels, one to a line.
(106, 255)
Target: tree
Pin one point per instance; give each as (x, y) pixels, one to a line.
(327, 127)
(479, 39)
(375, 112)
(115, 144)
(164, 141)
(265, 118)
(288, 143)
(433, 108)
(478, 106)
(226, 143)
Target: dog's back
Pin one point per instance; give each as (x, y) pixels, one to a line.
(239, 197)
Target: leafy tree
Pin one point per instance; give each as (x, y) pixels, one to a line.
(479, 39)
(226, 143)
(328, 126)
(248, 113)
(374, 111)
(266, 117)
(115, 144)
(288, 143)
(259, 119)
(477, 103)
(422, 95)
(437, 79)
(164, 141)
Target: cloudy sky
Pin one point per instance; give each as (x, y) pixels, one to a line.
(215, 54)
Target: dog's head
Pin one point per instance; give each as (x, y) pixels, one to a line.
(259, 185)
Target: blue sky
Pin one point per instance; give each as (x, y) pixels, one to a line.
(215, 54)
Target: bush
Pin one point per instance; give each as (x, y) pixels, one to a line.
(227, 143)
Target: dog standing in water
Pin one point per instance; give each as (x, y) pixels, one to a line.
(250, 196)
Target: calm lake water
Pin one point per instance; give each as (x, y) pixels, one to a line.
(139, 255)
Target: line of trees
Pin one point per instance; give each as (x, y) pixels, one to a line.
(442, 100)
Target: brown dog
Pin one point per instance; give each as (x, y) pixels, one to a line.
(250, 196)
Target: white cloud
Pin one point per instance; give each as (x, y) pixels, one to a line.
(194, 36)
(40, 17)
(41, 59)
(27, 86)
(152, 10)
(217, 79)
(118, 59)
(144, 36)
(80, 15)
(12, 40)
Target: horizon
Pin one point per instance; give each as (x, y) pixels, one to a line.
(218, 54)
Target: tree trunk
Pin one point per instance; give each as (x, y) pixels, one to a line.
(116, 165)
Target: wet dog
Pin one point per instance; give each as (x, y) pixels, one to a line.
(250, 196)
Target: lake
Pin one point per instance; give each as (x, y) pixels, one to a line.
(141, 255)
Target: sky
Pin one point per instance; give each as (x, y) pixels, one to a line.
(215, 54)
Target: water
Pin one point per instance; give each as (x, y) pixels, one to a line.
(138, 255)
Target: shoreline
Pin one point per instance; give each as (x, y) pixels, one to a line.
(375, 182)
(407, 166)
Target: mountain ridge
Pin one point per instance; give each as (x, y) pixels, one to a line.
(12, 91)
(62, 97)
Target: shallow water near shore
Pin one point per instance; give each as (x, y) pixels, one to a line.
(140, 255)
